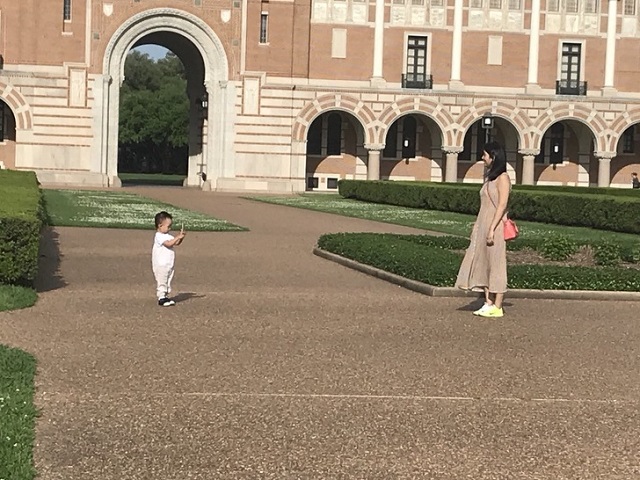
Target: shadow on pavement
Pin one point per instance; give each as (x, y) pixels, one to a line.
(184, 296)
(49, 276)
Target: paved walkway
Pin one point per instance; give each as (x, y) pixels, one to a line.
(277, 364)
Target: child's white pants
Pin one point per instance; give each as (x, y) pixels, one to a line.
(163, 275)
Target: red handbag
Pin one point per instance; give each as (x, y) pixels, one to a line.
(510, 229)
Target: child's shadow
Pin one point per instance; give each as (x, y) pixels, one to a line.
(184, 296)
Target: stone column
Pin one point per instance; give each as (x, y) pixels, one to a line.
(451, 167)
(528, 166)
(604, 168)
(534, 46)
(373, 162)
(378, 43)
(456, 47)
(610, 55)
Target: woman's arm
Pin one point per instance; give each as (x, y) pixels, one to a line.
(503, 184)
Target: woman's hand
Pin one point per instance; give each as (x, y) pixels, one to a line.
(490, 238)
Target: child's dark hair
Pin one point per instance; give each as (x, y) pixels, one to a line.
(499, 163)
(161, 217)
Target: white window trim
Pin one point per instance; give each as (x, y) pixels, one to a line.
(262, 14)
(70, 19)
(405, 49)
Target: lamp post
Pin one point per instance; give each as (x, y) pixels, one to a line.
(487, 124)
(203, 106)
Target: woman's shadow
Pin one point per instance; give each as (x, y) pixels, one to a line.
(184, 296)
(49, 276)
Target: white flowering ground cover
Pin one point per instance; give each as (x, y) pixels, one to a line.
(109, 209)
(445, 222)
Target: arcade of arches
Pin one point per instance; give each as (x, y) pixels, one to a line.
(413, 150)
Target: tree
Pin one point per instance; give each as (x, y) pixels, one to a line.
(154, 115)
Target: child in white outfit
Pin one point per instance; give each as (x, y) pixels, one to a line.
(163, 256)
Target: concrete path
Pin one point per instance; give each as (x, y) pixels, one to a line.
(277, 364)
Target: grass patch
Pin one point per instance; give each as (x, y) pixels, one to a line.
(437, 221)
(13, 298)
(151, 179)
(17, 414)
(436, 261)
(108, 209)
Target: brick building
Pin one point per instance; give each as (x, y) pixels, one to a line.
(288, 95)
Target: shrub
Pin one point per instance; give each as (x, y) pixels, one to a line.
(630, 253)
(601, 211)
(429, 260)
(607, 254)
(22, 216)
(557, 248)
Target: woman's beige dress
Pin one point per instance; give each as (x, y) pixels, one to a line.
(483, 265)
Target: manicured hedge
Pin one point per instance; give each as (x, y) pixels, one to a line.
(604, 212)
(22, 216)
(430, 260)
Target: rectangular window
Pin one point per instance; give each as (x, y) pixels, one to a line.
(629, 7)
(264, 21)
(66, 10)
(571, 6)
(570, 66)
(515, 5)
(590, 6)
(436, 3)
(475, 3)
(553, 5)
(496, 4)
(628, 143)
(416, 76)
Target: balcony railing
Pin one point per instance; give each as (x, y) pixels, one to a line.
(416, 80)
(571, 87)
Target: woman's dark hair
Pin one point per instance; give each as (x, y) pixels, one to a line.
(499, 163)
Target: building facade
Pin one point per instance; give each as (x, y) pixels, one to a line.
(293, 95)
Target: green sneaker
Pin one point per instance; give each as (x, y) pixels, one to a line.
(492, 312)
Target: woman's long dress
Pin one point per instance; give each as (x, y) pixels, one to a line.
(485, 266)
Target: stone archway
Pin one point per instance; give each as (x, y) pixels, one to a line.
(215, 157)
(17, 124)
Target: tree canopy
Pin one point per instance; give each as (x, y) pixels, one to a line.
(154, 115)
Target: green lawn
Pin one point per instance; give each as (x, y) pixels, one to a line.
(14, 298)
(151, 179)
(445, 222)
(17, 414)
(109, 209)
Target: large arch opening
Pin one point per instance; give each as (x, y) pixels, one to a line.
(470, 165)
(627, 160)
(155, 119)
(413, 149)
(335, 151)
(205, 62)
(566, 155)
(7, 137)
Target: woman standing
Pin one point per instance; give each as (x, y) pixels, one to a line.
(484, 268)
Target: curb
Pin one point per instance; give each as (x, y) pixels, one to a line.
(432, 291)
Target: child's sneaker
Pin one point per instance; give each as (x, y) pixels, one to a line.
(171, 302)
(483, 309)
(165, 302)
(493, 312)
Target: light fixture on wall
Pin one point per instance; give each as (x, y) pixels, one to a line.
(203, 102)
(487, 124)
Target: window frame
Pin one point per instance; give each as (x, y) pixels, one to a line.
(67, 9)
(263, 34)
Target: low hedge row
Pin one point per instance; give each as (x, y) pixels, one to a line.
(615, 192)
(431, 260)
(604, 212)
(22, 215)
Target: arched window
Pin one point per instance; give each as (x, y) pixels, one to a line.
(314, 137)
(334, 134)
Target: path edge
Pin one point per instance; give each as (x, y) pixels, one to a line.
(433, 291)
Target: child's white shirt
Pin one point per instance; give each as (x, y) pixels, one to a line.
(162, 256)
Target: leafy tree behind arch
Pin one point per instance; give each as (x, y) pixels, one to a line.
(154, 115)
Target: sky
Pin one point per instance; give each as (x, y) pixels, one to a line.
(154, 51)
